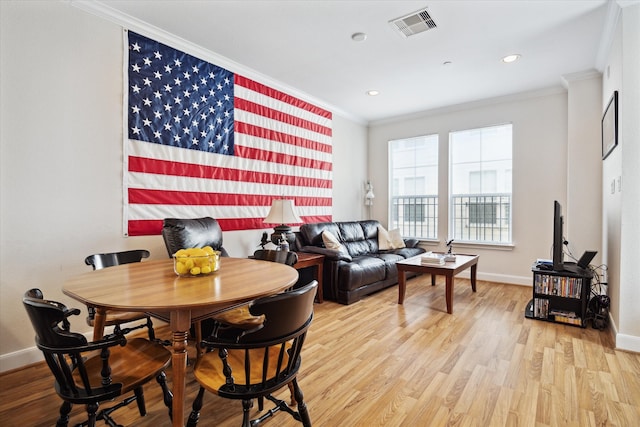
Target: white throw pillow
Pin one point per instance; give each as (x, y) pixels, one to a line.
(397, 242)
(389, 239)
(384, 240)
(331, 241)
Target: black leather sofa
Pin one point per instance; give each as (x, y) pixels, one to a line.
(361, 268)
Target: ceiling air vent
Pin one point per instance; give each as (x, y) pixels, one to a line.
(414, 23)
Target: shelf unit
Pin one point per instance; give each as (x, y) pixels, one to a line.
(560, 296)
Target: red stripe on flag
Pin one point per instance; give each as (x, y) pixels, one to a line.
(272, 135)
(144, 227)
(314, 219)
(153, 227)
(166, 167)
(261, 110)
(165, 197)
(280, 96)
(231, 224)
(284, 159)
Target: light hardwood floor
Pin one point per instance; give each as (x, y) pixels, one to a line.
(377, 363)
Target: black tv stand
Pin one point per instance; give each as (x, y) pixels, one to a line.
(560, 296)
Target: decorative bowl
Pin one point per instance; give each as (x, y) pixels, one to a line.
(195, 262)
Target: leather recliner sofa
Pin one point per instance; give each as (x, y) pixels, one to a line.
(360, 268)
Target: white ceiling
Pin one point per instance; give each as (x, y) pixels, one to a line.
(306, 45)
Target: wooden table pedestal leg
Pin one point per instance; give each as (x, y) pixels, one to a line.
(180, 323)
(99, 320)
(179, 370)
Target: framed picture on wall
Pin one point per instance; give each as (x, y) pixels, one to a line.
(610, 126)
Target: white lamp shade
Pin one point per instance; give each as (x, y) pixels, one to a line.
(282, 212)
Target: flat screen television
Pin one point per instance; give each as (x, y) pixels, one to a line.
(558, 239)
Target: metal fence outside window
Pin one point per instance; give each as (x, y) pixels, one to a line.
(481, 217)
(415, 216)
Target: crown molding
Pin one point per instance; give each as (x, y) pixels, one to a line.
(608, 34)
(578, 76)
(514, 97)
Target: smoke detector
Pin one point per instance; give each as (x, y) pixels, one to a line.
(413, 23)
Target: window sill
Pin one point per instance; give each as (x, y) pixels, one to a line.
(491, 246)
(459, 244)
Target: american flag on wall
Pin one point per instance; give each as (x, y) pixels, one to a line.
(203, 141)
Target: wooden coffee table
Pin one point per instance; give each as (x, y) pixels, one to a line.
(448, 270)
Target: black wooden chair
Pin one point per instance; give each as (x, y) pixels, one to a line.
(183, 233)
(254, 364)
(240, 317)
(117, 318)
(90, 373)
(284, 257)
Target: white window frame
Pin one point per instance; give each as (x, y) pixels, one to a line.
(404, 204)
(462, 227)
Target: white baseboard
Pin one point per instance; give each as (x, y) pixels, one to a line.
(20, 359)
(29, 356)
(628, 343)
(499, 278)
(623, 341)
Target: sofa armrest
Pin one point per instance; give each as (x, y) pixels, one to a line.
(411, 243)
(330, 254)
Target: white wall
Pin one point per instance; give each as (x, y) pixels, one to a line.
(61, 160)
(621, 207)
(583, 215)
(629, 330)
(539, 171)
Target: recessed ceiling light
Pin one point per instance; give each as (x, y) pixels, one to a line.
(373, 92)
(511, 58)
(358, 37)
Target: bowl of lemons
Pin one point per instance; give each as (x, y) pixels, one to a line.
(194, 262)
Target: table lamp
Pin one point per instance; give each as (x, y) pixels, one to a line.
(282, 212)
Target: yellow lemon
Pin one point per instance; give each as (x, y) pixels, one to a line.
(195, 271)
(181, 268)
(182, 253)
(205, 270)
(208, 250)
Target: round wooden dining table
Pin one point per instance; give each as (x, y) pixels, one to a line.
(153, 287)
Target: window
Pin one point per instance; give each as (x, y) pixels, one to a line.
(480, 184)
(413, 175)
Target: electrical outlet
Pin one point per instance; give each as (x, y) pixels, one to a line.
(613, 186)
(619, 183)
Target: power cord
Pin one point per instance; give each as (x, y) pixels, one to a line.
(599, 301)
